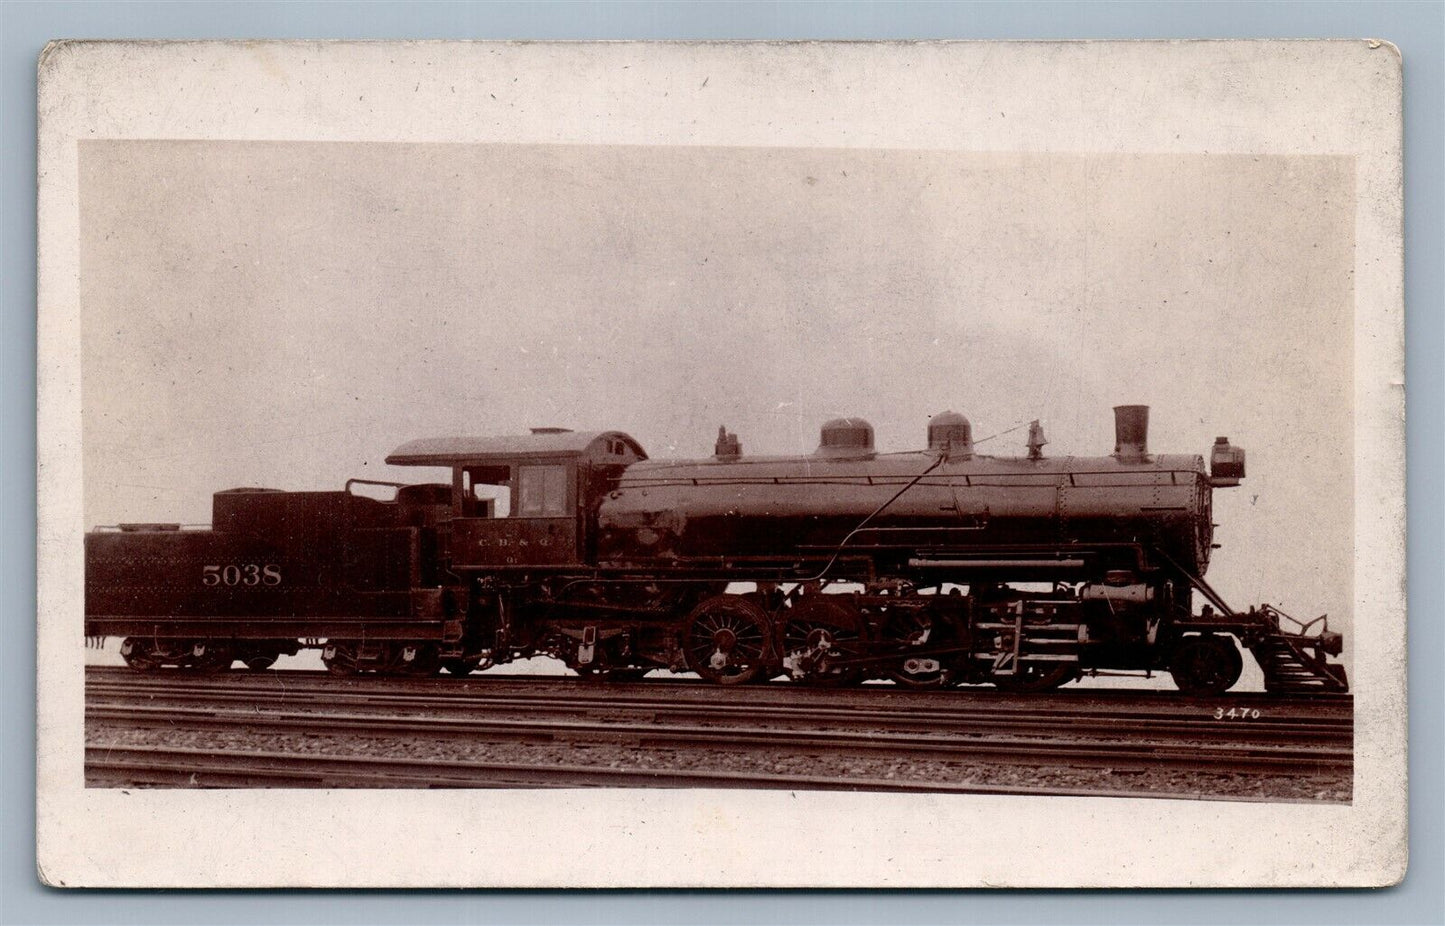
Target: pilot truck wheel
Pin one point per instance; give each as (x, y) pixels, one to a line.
(1205, 665)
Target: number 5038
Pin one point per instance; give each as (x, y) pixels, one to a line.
(241, 574)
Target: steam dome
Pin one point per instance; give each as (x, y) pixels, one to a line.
(950, 431)
(846, 436)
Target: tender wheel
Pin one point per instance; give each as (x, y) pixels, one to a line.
(817, 632)
(1033, 677)
(461, 666)
(424, 659)
(726, 640)
(908, 629)
(259, 663)
(340, 659)
(140, 655)
(1205, 665)
(216, 657)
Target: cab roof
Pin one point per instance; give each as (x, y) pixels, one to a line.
(544, 443)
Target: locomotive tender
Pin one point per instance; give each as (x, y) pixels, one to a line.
(931, 568)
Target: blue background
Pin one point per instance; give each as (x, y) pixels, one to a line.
(1417, 28)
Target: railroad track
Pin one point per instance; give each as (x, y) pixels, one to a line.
(951, 729)
(942, 745)
(439, 690)
(108, 700)
(166, 766)
(659, 679)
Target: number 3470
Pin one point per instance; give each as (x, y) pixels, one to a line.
(241, 574)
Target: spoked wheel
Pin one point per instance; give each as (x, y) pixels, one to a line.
(1032, 677)
(908, 628)
(1206, 665)
(817, 633)
(342, 660)
(726, 640)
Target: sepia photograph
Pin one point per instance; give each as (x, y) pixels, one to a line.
(920, 446)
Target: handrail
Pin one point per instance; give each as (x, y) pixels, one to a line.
(1267, 610)
(168, 527)
(1304, 627)
(876, 511)
(1198, 582)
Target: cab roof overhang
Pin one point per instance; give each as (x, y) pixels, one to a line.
(462, 451)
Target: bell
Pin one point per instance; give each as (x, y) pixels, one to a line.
(1036, 440)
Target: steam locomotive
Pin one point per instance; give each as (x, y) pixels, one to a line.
(930, 568)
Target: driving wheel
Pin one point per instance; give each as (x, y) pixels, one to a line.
(817, 633)
(725, 640)
(909, 628)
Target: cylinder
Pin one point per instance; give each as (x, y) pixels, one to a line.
(1131, 431)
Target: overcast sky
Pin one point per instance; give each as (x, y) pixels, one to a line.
(284, 314)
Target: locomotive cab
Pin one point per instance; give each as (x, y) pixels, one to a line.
(524, 502)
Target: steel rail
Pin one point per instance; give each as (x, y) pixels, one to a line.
(778, 693)
(1321, 731)
(121, 766)
(880, 699)
(1244, 758)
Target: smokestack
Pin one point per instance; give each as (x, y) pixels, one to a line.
(1131, 432)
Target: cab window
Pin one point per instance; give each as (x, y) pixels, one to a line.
(486, 491)
(542, 491)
